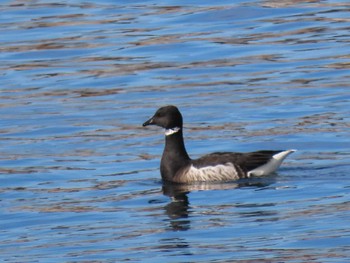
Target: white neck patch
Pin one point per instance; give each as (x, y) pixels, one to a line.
(171, 131)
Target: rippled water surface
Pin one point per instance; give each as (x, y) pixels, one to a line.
(79, 176)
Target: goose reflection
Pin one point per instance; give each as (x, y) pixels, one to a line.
(179, 210)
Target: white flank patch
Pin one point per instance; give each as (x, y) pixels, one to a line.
(171, 131)
(272, 165)
(221, 172)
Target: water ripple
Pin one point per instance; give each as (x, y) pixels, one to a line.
(79, 175)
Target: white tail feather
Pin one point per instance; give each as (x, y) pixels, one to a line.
(272, 165)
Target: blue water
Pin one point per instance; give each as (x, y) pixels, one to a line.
(79, 176)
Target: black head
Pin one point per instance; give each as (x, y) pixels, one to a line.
(167, 117)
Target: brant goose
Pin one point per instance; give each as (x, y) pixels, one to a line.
(176, 166)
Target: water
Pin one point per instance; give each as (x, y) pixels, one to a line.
(79, 177)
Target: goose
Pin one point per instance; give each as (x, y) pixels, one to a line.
(176, 166)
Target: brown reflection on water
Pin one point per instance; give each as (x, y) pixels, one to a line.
(130, 66)
(309, 3)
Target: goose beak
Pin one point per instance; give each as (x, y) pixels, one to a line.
(149, 122)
